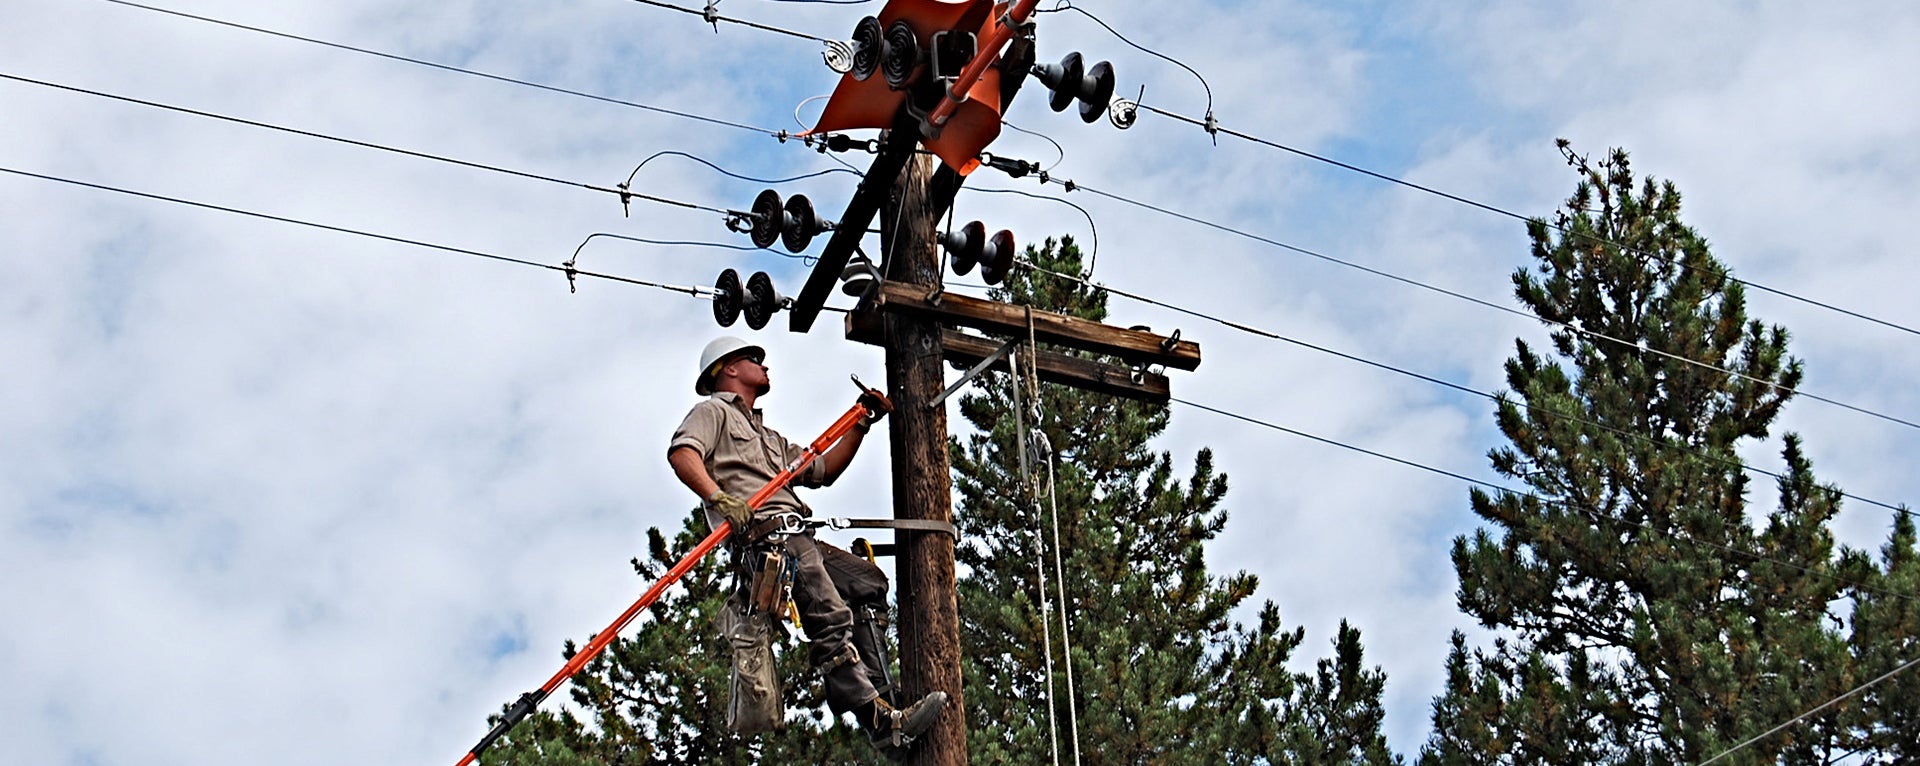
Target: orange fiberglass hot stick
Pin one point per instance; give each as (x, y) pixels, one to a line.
(871, 401)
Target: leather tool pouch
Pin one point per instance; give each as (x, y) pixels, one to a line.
(753, 703)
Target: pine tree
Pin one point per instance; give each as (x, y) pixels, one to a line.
(1163, 675)
(1885, 638)
(1646, 615)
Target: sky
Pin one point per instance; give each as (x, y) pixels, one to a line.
(276, 493)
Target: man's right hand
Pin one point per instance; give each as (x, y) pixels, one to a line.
(731, 508)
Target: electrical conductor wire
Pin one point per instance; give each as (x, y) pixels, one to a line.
(698, 292)
(622, 193)
(1803, 716)
(1531, 408)
(1597, 515)
(455, 69)
(710, 15)
(1075, 186)
(1214, 127)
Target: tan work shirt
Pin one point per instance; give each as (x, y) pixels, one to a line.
(742, 454)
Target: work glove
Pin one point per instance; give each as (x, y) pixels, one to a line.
(731, 508)
(878, 406)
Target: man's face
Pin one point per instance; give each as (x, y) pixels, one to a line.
(752, 372)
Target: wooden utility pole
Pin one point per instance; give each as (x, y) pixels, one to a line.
(922, 485)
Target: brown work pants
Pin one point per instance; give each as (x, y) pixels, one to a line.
(826, 580)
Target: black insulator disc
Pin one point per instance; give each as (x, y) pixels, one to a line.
(1098, 91)
(1065, 81)
(964, 247)
(767, 219)
(996, 260)
(902, 55)
(762, 300)
(802, 224)
(727, 298)
(867, 44)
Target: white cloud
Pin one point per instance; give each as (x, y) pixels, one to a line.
(259, 481)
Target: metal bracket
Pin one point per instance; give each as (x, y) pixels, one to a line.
(982, 367)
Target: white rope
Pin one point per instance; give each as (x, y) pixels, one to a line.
(1039, 549)
(1032, 381)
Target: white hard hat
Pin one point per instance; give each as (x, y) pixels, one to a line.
(718, 351)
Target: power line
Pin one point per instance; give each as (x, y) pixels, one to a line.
(1803, 716)
(1212, 126)
(731, 174)
(622, 192)
(1595, 514)
(1071, 186)
(699, 292)
(711, 15)
(1531, 408)
(779, 134)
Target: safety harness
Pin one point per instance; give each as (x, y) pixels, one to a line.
(763, 580)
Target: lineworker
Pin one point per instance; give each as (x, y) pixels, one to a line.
(724, 453)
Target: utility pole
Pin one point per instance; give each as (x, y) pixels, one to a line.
(922, 485)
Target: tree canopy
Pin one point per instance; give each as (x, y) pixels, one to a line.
(1646, 610)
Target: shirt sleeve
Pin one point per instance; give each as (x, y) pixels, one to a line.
(816, 473)
(700, 430)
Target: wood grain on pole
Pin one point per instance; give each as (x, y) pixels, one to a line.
(922, 485)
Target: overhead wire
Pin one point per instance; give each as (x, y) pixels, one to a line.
(624, 190)
(1213, 127)
(780, 134)
(1210, 125)
(1908, 665)
(1531, 408)
(711, 15)
(1071, 185)
(567, 269)
(1068, 184)
(1593, 514)
(1060, 153)
(731, 174)
(623, 193)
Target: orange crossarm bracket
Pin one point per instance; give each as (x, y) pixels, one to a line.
(966, 112)
(870, 401)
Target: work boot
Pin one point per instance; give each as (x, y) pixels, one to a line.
(894, 731)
